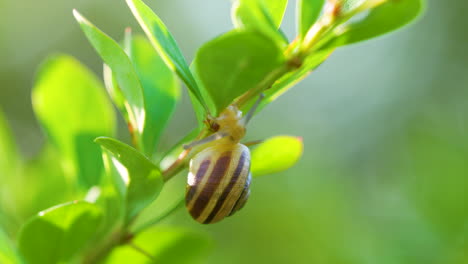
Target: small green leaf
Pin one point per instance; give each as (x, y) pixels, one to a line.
(164, 245)
(115, 92)
(235, 62)
(160, 88)
(137, 180)
(276, 10)
(72, 107)
(260, 15)
(165, 45)
(276, 154)
(114, 56)
(266, 11)
(385, 18)
(7, 252)
(308, 11)
(56, 235)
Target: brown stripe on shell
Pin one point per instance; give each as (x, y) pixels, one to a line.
(243, 197)
(191, 190)
(241, 203)
(233, 181)
(212, 183)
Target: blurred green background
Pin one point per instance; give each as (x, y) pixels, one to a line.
(384, 176)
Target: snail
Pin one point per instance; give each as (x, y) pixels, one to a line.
(219, 176)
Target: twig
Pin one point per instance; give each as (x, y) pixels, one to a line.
(156, 220)
(142, 251)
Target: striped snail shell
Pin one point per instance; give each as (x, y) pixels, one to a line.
(219, 174)
(219, 177)
(218, 182)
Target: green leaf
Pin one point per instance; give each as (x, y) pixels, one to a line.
(276, 9)
(73, 109)
(164, 245)
(276, 154)
(137, 180)
(114, 56)
(260, 15)
(115, 92)
(266, 11)
(160, 88)
(235, 62)
(165, 44)
(385, 18)
(59, 233)
(7, 252)
(308, 11)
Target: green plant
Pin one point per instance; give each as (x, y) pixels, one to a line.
(142, 77)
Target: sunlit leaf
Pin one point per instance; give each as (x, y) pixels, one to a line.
(391, 15)
(137, 180)
(114, 56)
(235, 62)
(308, 11)
(160, 89)
(114, 91)
(7, 252)
(276, 154)
(165, 44)
(59, 233)
(260, 15)
(164, 245)
(73, 109)
(276, 9)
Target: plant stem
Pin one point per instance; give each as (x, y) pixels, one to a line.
(176, 166)
(181, 161)
(115, 239)
(266, 83)
(253, 143)
(142, 251)
(156, 220)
